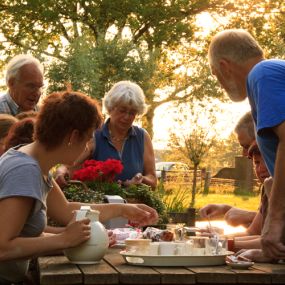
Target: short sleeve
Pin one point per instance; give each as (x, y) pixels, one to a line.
(24, 180)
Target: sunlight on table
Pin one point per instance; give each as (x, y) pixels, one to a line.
(221, 224)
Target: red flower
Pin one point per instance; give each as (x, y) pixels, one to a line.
(94, 170)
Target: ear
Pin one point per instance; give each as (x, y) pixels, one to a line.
(74, 137)
(11, 82)
(225, 67)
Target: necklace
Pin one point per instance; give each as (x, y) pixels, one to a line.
(116, 139)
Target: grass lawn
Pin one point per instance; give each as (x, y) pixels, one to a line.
(180, 197)
(244, 202)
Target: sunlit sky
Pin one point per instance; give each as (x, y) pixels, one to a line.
(227, 117)
(227, 114)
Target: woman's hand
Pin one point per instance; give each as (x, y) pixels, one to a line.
(76, 232)
(137, 179)
(62, 175)
(112, 238)
(139, 214)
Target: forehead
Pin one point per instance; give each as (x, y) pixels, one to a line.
(127, 107)
(244, 138)
(30, 72)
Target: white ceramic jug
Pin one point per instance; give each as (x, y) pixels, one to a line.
(93, 250)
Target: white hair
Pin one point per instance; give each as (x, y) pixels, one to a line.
(237, 45)
(17, 62)
(125, 93)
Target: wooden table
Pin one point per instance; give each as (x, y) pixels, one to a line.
(55, 270)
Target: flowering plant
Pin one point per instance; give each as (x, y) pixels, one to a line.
(100, 175)
(98, 178)
(103, 171)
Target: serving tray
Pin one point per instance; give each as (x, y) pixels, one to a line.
(174, 260)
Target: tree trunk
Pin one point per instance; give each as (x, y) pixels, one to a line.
(194, 185)
(147, 120)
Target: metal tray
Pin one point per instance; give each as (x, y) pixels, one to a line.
(174, 260)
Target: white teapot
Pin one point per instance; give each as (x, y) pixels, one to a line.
(93, 250)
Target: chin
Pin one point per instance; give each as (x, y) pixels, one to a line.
(236, 96)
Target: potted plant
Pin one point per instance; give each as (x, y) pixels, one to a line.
(97, 178)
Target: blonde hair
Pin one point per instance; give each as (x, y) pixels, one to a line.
(237, 45)
(125, 93)
(246, 123)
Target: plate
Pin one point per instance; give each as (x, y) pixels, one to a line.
(240, 264)
(174, 260)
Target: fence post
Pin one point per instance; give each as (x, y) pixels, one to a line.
(207, 182)
(163, 175)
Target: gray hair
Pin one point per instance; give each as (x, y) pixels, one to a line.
(236, 44)
(125, 93)
(246, 123)
(17, 62)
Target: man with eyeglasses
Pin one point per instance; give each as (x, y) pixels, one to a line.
(24, 79)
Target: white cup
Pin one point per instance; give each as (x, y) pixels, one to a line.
(180, 248)
(167, 248)
(138, 246)
(153, 248)
(189, 247)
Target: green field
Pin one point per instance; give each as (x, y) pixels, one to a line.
(179, 198)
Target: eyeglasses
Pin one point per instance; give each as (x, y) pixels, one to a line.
(124, 111)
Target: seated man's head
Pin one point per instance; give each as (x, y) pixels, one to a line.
(24, 78)
(245, 132)
(258, 162)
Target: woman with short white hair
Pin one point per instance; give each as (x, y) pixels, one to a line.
(120, 139)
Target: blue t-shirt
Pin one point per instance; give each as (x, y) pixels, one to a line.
(132, 153)
(266, 93)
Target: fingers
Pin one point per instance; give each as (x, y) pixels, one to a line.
(144, 215)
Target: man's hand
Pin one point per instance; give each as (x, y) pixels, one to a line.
(214, 210)
(271, 238)
(253, 254)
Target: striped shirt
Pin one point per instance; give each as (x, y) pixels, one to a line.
(9, 106)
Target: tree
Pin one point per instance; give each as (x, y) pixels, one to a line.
(196, 139)
(96, 43)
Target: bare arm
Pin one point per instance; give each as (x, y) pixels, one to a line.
(149, 176)
(14, 213)
(61, 210)
(247, 242)
(236, 216)
(214, 210)
(272, 234)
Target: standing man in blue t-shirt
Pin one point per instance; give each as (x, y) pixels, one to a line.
(238, 62)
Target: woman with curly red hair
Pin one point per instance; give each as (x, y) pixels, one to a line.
(28, 193)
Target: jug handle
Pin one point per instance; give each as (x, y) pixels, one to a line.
(81, 214)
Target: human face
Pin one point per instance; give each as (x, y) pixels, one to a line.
(123, 116)
(80, 146)
(229, 84)
(25, 89)
(260, 168)
(245, 141)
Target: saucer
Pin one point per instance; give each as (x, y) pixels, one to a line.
(240, 264)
